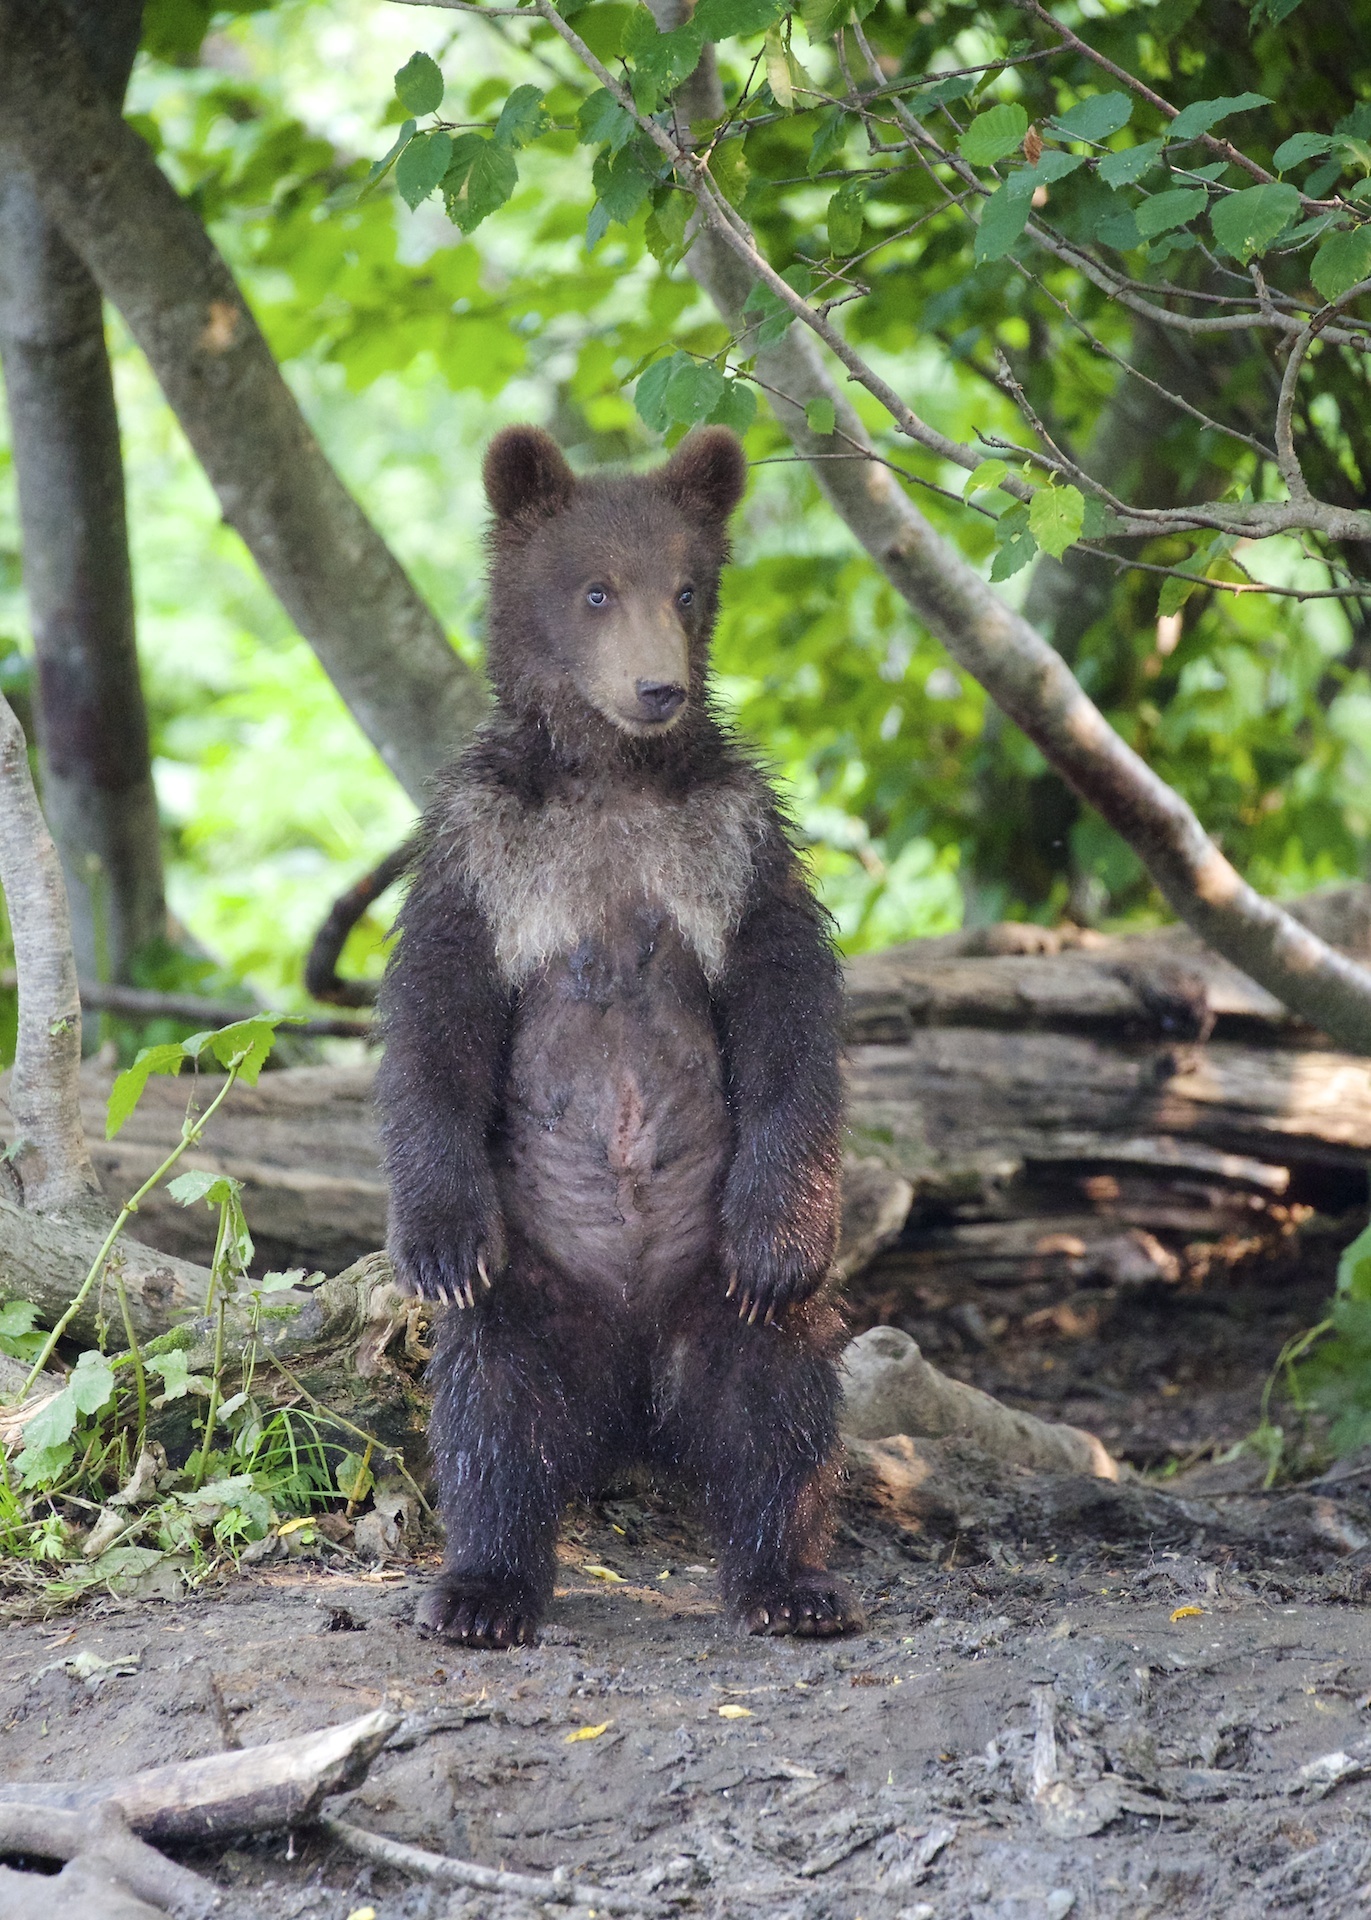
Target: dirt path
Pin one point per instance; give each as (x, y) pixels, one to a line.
(1028, 1741)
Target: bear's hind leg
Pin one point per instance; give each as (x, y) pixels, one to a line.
(748, 1414)
(517, 1429)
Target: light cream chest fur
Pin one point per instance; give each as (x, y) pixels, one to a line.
(549, 877)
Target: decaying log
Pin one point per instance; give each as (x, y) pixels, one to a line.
(103, 1827)
(109, 1871)
(249, 1790)
(1057, 1103)
(889, 1388)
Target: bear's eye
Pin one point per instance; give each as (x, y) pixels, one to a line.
(596, 596)
(686, 597)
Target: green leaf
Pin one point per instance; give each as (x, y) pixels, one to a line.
(1163, 211)
(1244, 223)
(18, 1336)
(522, 117)
(650, 394)
(778, 71)
(992, 135)
(492, 178)
(387, 160)
(253, 1039)
(174, 1371)
(1122, 169)
(1342, 261)
(1173, 595)
(942, 93)
(127, 1090)
(776, 318)
(988, 474)
(601, 121)
(665, 227)
(1203, 115)
(736, 407)
(1014, 544)
(1003, 218)
(354, 1477)
(1119, 230)
(91, 1383)
(821, 417)
(846, 219)
(1354, 1267)
(52, 1424)
(1055, 518)
(422, 165)
(214, 1188)
(829, 139)
(1096, 118)
(622, 183)
(727, 19)
(41, 1466)
(660, 61)
(693, 392)
(1301, 146)
(419, 84)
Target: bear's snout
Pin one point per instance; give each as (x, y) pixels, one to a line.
(659, 700)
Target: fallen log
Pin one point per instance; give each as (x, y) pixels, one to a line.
(103, 1828)
(1056, 1102)
(889, 1388)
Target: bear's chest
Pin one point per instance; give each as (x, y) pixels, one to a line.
(578, 876)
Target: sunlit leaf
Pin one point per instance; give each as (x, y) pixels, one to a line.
(846, 219)
(993, 134)
(128, 1087)
(820, 417)
(1055, 518)
(1244, 223)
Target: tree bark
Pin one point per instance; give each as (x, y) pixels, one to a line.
(92, 725)
(48, 1153)
(150, 254)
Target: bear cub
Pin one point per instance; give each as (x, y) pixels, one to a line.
(610, 1091)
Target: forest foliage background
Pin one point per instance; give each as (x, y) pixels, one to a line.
(409, 341)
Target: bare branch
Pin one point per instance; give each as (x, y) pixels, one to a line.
(49, 1154)
(1291, 470)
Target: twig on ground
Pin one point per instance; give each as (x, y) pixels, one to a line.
(558, 1887)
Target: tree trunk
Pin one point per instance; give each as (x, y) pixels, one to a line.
(148, 250)
(92, 726)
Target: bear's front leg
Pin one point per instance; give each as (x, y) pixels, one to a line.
(778, 1003)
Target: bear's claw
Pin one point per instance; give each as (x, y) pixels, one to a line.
(812, 1607)
(476, 1613)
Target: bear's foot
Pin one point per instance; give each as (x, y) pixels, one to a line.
(472, 1612)
(811, 1605)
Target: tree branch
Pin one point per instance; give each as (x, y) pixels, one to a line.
(150, 254)
(49, 1151)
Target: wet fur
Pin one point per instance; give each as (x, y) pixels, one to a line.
(610, 1090)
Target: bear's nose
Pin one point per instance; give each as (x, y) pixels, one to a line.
(659, 699)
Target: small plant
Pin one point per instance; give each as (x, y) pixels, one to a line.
(89, 1497)
(1331, 1372)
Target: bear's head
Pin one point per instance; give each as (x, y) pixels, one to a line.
(603, 590)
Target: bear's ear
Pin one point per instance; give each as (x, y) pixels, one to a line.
(706, 474)
(525, 474)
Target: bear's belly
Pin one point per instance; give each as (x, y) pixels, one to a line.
(616, 1131)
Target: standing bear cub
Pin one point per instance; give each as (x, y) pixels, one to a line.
(610, 1090)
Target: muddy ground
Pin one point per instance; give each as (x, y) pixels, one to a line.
(1064, 1728)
